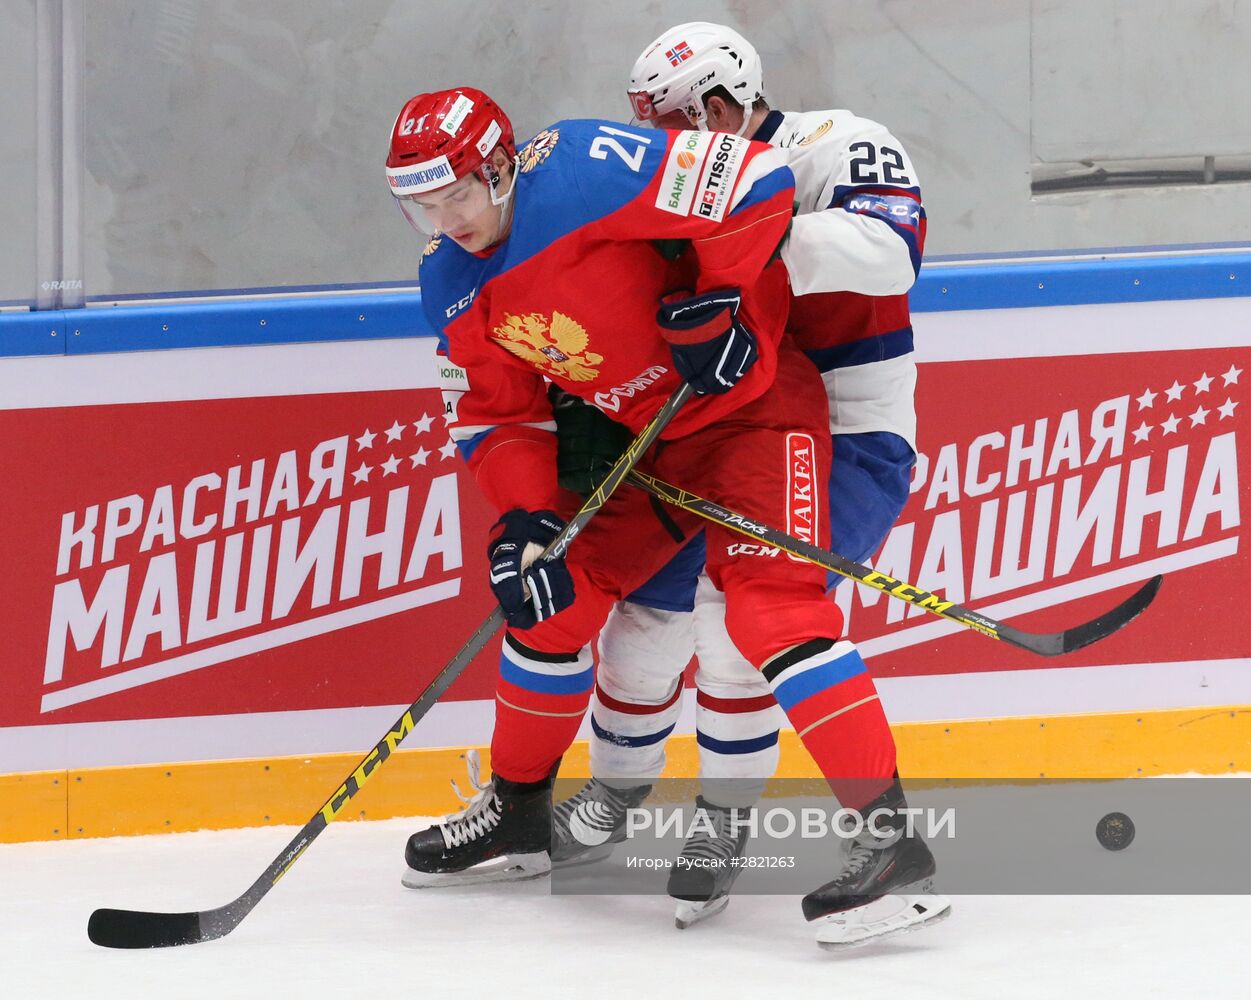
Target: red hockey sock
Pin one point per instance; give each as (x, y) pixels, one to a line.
(540, 699)
(830, 699)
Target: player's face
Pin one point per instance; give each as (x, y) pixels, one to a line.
(671, 119)
(462, 210)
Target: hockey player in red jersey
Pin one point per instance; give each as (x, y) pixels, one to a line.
(853, 251)
(571, 289)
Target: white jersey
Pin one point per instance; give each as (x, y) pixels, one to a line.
(860, 229)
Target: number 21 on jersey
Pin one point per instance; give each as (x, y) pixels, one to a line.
(633, 158)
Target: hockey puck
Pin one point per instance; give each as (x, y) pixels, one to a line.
(1115, 831)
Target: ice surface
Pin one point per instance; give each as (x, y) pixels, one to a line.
(341, 925)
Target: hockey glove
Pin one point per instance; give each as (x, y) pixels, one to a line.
(711, 349)
(587, 442)
(528, 591)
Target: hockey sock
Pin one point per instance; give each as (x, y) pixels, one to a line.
(629, 736)
(826, 691)
(738, 745)
(540, 699)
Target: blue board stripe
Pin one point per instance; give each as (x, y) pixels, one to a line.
(939, 288)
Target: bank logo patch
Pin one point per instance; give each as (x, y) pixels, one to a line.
(682, 170)
(456, 116)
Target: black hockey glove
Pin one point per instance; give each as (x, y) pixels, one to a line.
(528, 591)
(711, 349)
(587, 442)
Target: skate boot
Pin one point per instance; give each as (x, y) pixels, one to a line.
(587, 826)
(885, 888)
(501, 835)
(710, 862)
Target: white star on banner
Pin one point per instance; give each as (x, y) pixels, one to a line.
(366, 440)
(1146, 399)
(1200, 416)
(1205, 380)
(394, 431)
(1226, 409)
(424, 423)
(1173, 392)
(390, 466)
(448, 417)
(361, 475)
(1170, 425)
(419, 458)
(1142, 432)
(1231, 376)
(448, 449)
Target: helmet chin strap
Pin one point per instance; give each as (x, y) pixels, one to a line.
(505, 202)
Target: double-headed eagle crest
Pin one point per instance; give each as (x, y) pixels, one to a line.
(558, 347)
(538, 149)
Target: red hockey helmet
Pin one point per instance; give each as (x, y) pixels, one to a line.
(442, 137)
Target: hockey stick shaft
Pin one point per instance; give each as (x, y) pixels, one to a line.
(112, 928)
(1045, 644)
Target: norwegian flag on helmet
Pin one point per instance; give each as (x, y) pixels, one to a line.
(679, 53)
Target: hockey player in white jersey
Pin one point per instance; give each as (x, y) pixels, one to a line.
(853, 252)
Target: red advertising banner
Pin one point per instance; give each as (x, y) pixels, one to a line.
(1049, 487)
(235, 555)
(171, 559)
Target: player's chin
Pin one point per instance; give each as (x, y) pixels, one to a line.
(470, 240)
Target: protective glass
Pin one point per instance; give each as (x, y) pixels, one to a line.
(447, 209)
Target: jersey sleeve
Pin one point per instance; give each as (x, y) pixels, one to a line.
(731, 198)
(501, 420)
(863, 225)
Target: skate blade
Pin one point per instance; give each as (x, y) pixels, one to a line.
(510, 868)
(590, 856)
(689, 913)
(883, 918)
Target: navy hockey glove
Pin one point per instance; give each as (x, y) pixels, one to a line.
(529, 591)
(711, 349)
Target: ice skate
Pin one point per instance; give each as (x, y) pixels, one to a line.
(502, 835)
(885, 888)
(588, 825)
(710, 862)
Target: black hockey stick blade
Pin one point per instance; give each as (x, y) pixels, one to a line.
(112, 928)
(1080, 636)
(136, 929)
(1042, 643)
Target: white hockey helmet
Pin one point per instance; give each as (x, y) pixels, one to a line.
(682, 65)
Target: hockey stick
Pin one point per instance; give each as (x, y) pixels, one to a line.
(141, 929)
(1042, 643)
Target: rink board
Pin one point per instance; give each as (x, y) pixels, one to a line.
(225, 794)
(258, 551)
